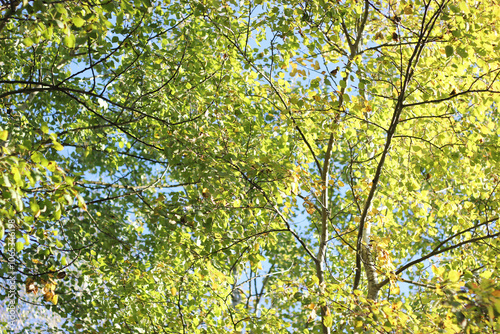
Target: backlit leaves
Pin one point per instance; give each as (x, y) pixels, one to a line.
(208, 167)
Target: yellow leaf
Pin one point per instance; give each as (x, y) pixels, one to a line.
(256, 247)
(397, 305)
(311, 306)
(4, 135)
(486, 274)
(437, 271)
(454, 276)
(395, 289)
(54, 299)
(316, 65)
(173, 291)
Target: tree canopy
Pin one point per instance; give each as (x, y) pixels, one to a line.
(259, 166)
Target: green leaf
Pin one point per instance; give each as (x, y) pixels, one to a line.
(37, 157)
(57, 214)
(70, 40)
(6, 181)
(454, 8)
(57, 146)
(328, 321)
(68, 198)
(34, 206)
(462, 53)
(19, 246)
(45, 128)
(78, 21)
(17, 176)
(449, 50)
(27, 41)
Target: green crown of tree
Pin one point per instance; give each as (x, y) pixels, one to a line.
(250, 166)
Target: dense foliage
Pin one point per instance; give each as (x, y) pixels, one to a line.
(254, 166)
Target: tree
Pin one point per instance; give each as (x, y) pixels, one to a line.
(257, 166)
